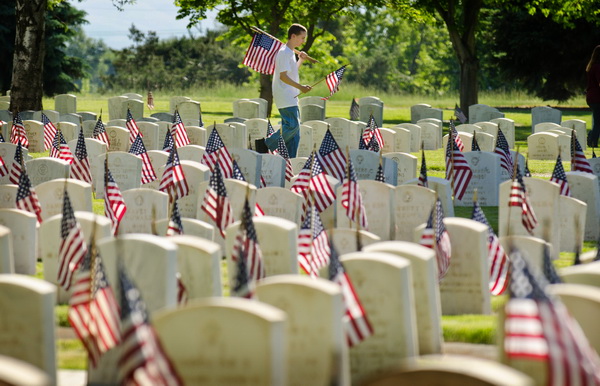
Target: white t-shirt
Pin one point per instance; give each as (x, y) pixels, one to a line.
(284, 94)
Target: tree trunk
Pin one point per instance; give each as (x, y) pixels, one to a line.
(469, 83)
(266, 91)
(28, 60)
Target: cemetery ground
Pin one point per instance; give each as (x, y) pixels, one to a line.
(216, 106)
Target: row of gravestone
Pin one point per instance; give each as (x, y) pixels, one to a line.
(551, 139)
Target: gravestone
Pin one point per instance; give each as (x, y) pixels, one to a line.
(412, 206)
(345, 239)
(189, 111)
(150, 137)
(486, 142)
(345, 132)
(143, 207)
(7, 262)
(389, 141)
(87, 116)
(489, 128)
(273, 169)
(71, 118)
(148, 119)
(406, 163)
(416, 110)
(425, 288)
(51, 196)
(366, 163)
(250, 163)
(415, 135)
(197, 135)
(572, 219)
(317, 352)
(65, 103)
(70, 130)
(164, 117)
(468, 128)
(119, 122)
(45, 169)
(136, 107)
(531, 248)
(118, 137)
(174, 103)
(443, 188)
(134, 96)
(371, 106)
(467, 140)
(280, 202)
(191, 226)
(482, 113)
(124, 167)
(486, 179)
(585, 274)
(541, 114)
(311, 113)
(8, 196)
(257, 128)
(392, 316)
(543, 146)
(220, 352)
(199, 263)
(235, 106)
(190, 153)
(94, 149)
(584, 187)
(423, 111)
(35, 135)
(234, 135)
(248, 109)
(117, 109)
(508, 129)
(27, 321)
(431, 135)
(53, 116)
(88, 128)
(264, 107)
(305, 146)
(158, 158)
(195, 173)
(312, 100)
(16, 372)
(298, 163)
(580, 128)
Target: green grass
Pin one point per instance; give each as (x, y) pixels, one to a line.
(71, 355)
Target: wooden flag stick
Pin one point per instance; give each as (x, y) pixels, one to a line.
(256, 29)
(314, 84)
(573, 150)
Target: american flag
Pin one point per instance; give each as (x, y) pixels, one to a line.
(49, 131)
(17, 132)
(80, 168)
(361, 144)
(60, 149)
(114, 205)
(373, 145)
(380, 175)
(3, 168)
(520, 199)
(242, 287)
(559, 176)
(503, 151)
(17, 165)
(173, 181)
(475, 144)
(333, 81)
(238, 175)
(458, 170)
(578, 161)
(260, 56)
(497, 258)
(178, 131)
(138, 148)
(455, 136)
(100, 133)
(175, 226)
(332, 157)
(313, 243)
(370, 131)
(216, 151)
(357, 326)
(538, 327)
(270, 129)
(216, 203)
(354, 110)
(283, 152)
(133, 128)
(313, 181)
(143, 360)
(93, 309)
(423, 173)
(436, 237)
(26, 198)
(72, 244)
(150, 101)
(459, 114)
(246, 246)
(352, 199)
(182, 292)
(168, 143)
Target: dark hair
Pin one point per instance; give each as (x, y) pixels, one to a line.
(296, 29)
(594, 59)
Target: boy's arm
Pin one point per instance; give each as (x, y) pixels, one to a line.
(283, 76)
(302, 56)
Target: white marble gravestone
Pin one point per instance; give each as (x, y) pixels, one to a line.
(580, 128)
(8, 196)
(35, 135)
(123, 167)
(486, 179)
(189, 111)
(572, 219)
(65, 103)
(431, 135)
(7, 264)
(584, 187)
(415, 135)
(45, 169)
(508, 129)
(443, 188)
(481, 112)
(280, 202)
(540, 114)
(143, 206)
(543, 146)
(407, 165)
(149, 131)
(117, 108)
(197, 135)
(51, 196)
(402, 140)
(24, 238)
(195, 173)
(191, 227)
(249, 162)
(347, 240)
(118, 138)
(412, 205)
(273, 169)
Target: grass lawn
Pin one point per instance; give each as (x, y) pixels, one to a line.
(217, 105)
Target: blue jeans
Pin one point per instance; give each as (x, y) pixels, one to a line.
(290, 124)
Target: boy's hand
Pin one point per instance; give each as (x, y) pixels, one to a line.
(304, 88)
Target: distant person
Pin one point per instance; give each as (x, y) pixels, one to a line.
(286, 86)
(592, 96)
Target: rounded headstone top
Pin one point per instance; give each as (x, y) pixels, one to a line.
(27, 282)
(381, 257)
(318, 283)
(16, 372)
(402, 248)
(196, 242)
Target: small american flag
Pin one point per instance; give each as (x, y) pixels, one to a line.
(17, 165)
(260, 56)
(114, 205)
(138, 148)
(270, 129)
(538, 327)
(168, 143)
(173, 181)
(283, 152)
(458, 170)
(436, 237)
(49, 131)
(312, 180)
(246, 246)
(175, 226)
(17, 132)
(237, 172)
(475, 144)
(178, 131)
(423, 173)
(26, 198)
(3, 168)
(380, 175)
(216, 151)
(242, 287)
(497, 258)
(100, 133)
(373, 145)
(216, 203)
(313, 243)
(182, 292)
(133, 128)
(150, 101)
(559, 176)
(60, 149)
(72, 244)
(578, 161)
(455, 136)
(354, 110)
(333, 81)
(80, 168)
(504, 152)
(93, 309)
(357, 326)
(459, 114)
(143, 360)
(332, 158)
(370, 131)
(520, 199)
(352, 198)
